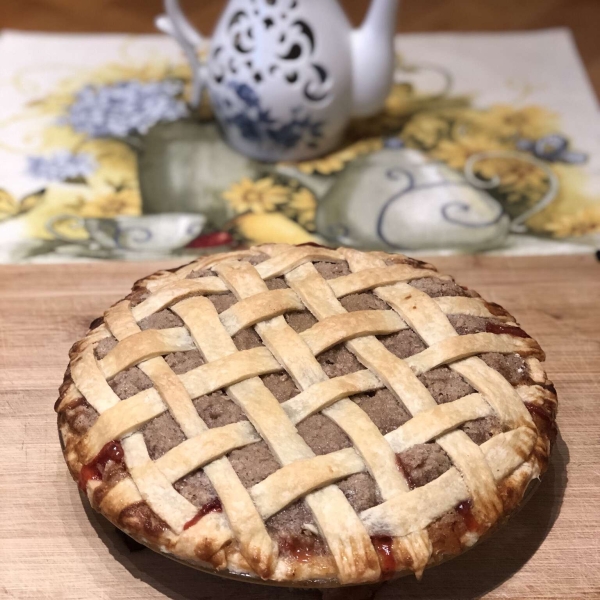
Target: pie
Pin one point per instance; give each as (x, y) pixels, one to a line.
(304, 415)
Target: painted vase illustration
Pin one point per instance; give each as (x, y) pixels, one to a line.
(285, 76)
(184, 166)
(413, 203)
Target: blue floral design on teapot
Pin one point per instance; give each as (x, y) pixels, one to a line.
(255, 124)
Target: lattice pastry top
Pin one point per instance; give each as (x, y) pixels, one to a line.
(306, 414)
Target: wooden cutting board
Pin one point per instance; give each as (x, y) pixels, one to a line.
(52, 545)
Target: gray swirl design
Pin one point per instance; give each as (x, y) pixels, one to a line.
(124, 236)
(466, 209)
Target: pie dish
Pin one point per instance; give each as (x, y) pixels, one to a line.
(306, 416)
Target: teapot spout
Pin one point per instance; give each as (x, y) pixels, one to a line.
(373, 58)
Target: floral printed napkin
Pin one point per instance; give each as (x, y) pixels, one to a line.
(488, 143)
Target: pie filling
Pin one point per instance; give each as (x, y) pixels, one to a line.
(111, 454)
(294, 527)
(212, 506)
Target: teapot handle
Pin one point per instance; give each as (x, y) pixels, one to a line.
(175, 24)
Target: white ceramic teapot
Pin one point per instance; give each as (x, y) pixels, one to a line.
(285, 76)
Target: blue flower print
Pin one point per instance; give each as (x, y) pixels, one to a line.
(61, 166)
(126, 108)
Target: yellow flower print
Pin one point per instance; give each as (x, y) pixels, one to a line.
(117, 165)
(8, 205)
(425, 131)
(11, 207)
(302, 208)
(336, 161)
(77, 200)
(58, 200)
(325, 166)
(518, 179)
(62, 137)
(506, 121)
(259, 196)
(400, 100)
(115, 160)
(455, 153)
(303, 201)
(582, 222)
(122, 202)
(573, 196)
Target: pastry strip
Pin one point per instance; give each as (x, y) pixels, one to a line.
(119, 420)
(302, 477)
(143, 346)
(228, 370)
(339, 328)
(154, 487)
(90, 381)
(247, 312)
(205, 447)
(476, 307)
(323, 394)
(177, 290)
(263, 410)
(368, 279)
(456, 348)
(431, 423)
(121, 323)
(290, 258)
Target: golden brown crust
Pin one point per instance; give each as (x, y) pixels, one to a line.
(410, 528)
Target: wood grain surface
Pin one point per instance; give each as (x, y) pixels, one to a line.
(52, 545)
(136, 16)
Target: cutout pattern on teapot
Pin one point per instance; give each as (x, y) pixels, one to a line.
(267, 44)
(286, 39)
(285, 76)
